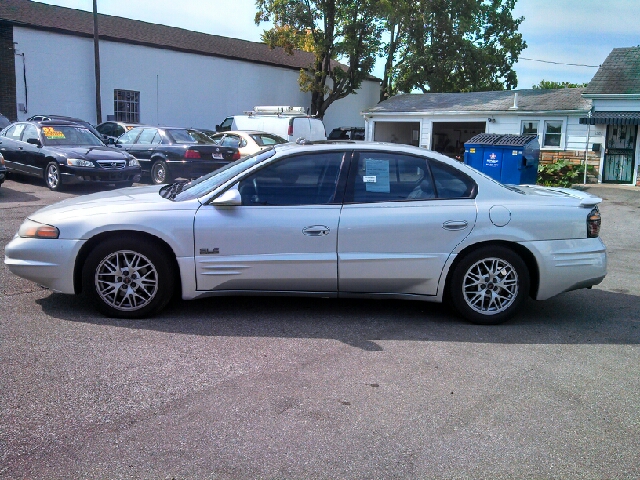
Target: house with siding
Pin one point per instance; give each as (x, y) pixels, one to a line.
(150, 73)
(599, 122)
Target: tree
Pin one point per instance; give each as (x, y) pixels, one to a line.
(451, 45)
(551, 85)
(344, 30)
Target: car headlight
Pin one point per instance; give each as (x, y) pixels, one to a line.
(133, 162)
(31, 229)
(78, 162)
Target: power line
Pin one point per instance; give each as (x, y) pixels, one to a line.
(559, 63)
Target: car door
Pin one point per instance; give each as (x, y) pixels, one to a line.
(397, 228)
(32, 154)
(145, 145)
(12, 148)
(283, 237)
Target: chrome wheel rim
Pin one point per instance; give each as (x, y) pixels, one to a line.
(159, 173)
(126, 280)
(490, 286)
(53, 176)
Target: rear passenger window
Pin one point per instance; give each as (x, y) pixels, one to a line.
(451, 182)
(388, 177)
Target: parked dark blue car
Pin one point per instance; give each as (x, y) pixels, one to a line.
(62, 153)
(166, 153)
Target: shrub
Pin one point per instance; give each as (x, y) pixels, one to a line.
(561, 173)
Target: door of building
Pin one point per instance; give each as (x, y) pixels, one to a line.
(619, 157)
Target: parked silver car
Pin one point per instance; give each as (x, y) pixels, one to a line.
(347, 219)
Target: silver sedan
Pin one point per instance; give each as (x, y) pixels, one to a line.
(340, 219)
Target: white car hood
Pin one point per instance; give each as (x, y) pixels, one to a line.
(134, 199)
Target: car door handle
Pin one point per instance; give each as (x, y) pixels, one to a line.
(316, 230)
(455, 225)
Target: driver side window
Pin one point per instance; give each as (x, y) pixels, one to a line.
(301, 180)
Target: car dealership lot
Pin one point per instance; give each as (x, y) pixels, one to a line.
(310, 388)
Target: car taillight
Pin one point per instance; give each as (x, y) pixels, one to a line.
(290, 131)
(593, 223)
(236, 156)
(192, 154)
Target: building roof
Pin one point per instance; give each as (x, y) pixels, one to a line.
(78, 22)
(619, 74)
(533, 100)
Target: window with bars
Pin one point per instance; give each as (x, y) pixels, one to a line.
(126, 106)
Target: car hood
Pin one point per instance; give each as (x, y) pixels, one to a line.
(90, 153)
(113, 202)
(582, 198)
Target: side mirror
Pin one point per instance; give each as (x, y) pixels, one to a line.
(229, 198)
(34, 141)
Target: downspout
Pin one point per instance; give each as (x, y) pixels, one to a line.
(96, 55)
(586, 148)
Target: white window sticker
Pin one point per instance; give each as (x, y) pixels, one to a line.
(378, 169)
(369, 179)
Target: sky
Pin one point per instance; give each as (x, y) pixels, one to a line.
(580, 32)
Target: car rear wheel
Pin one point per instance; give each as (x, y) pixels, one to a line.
(159, 173)
(52, 176)
(126, 278)
(489, 285)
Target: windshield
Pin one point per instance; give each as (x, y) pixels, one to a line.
(205, 184)
(188, 136)
(69, 135)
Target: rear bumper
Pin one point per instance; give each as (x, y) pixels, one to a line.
(566, 265)
(193, 168)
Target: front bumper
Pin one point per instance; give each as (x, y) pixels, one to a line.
(73, 175)
(566, 265)
(48, 262)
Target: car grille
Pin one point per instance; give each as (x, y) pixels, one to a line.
(112, 164)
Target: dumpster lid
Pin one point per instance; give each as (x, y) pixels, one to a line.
(484, 139)
(515, 140)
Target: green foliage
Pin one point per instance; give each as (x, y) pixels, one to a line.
(551, 85)
(453, 46)
(347, 31)
(561, 173)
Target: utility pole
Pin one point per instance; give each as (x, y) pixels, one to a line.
(96, 56)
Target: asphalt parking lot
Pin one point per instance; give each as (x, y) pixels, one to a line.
(308, 388)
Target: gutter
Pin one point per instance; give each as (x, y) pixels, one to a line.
(478, 113)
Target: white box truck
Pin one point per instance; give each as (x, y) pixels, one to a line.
(290, 123)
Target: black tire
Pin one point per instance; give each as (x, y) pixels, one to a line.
(489, 285)
(127, 278)
(159, 173)
(52, 176)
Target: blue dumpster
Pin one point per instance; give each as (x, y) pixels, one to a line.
(507, 158)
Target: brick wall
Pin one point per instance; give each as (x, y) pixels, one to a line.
(7, 73)
(575, 157)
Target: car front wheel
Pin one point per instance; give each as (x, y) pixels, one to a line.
(489, 285)
(126, 278)
(52, 176)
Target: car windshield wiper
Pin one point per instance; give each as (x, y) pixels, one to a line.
(170, 191)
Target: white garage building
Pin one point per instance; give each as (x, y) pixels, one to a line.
(150, 73)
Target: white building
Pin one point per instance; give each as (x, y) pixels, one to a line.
(150, 73)
(599, 121)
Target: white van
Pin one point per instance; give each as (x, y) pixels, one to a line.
(291, 123)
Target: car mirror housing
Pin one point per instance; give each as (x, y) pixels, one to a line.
(34, 141)
(229, 198)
